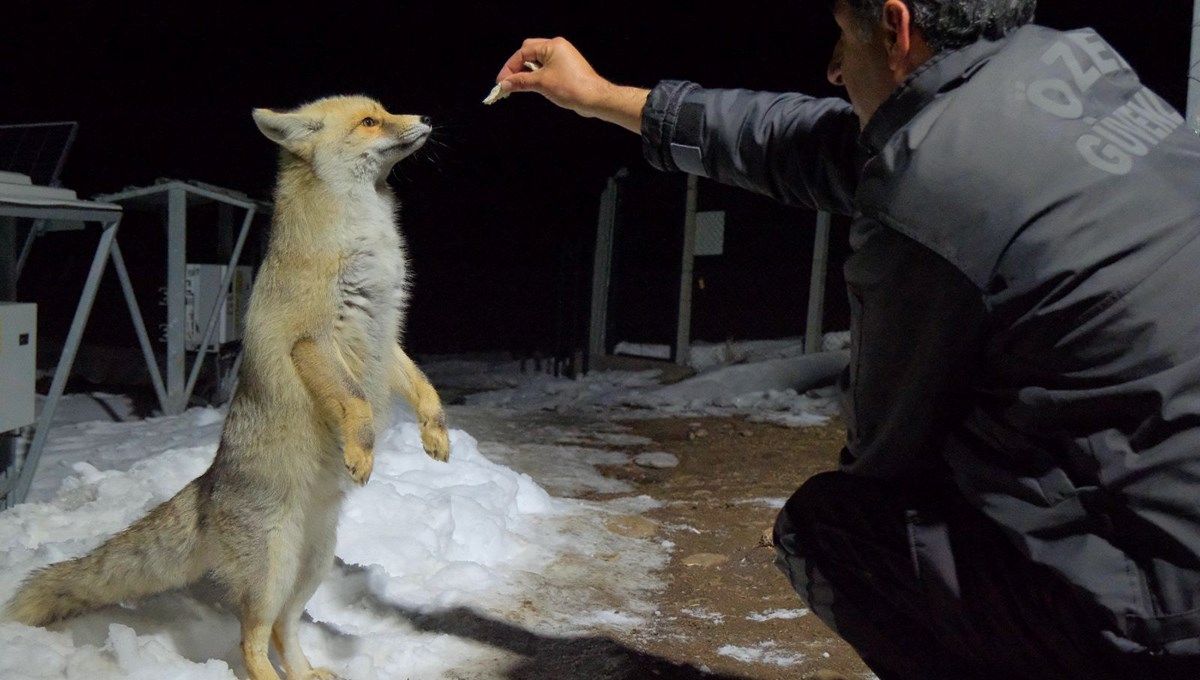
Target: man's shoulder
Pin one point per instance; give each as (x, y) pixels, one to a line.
(1051, 119)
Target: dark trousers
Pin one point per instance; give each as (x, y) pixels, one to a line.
(925, 587)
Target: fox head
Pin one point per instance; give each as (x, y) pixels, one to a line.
(345, 139)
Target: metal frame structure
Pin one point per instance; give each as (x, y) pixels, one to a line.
(175, 392)
(54, 179)
(108, 216)
(106, 211)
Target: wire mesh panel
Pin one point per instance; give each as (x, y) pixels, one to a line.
(710, 233)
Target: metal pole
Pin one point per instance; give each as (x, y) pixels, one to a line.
(218, 304)
(176, 274)
(62, 157)
(602, 266)
(1193, 100)
(8, 292)
(683, 328)
(8, 267)
(34, 232)
(139, 326)
(228, 385)
(82, 311)
(816, 285)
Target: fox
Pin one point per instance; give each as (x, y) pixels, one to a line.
(322, 359)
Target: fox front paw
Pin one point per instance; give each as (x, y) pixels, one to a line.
(435, 437)
(359, 466)
(359, 453)
(360, 459)
(359, 463)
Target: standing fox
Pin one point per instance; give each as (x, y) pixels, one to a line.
(321, 361)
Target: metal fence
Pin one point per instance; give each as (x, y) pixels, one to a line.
(681, 260)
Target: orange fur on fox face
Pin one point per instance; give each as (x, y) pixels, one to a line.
(345, 132)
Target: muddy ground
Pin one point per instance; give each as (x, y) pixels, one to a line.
(717, 504)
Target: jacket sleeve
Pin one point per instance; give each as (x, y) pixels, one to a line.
(797, 149)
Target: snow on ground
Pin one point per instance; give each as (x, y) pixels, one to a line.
(768, 381)
(763, 652)
(427, 550)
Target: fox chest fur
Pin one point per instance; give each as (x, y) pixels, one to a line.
(370, 291)
(335, 274)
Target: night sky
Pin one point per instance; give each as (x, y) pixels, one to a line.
(500, 210)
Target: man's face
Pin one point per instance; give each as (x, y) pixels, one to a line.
(860, 63)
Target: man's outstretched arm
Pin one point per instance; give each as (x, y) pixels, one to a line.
(797, 149)
(567, 79)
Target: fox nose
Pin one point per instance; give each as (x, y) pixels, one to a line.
(426, 120)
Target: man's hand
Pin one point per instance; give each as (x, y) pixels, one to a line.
(568, 80)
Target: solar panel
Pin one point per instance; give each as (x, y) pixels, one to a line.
(37, 149)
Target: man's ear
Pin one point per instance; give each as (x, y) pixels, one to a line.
(289, 130)
(906, 46)
(897, 29)
(899, 36)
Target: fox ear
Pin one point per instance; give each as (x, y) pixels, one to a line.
(285, 129)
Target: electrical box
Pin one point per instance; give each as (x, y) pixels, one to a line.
(18, 364)
(202, 287)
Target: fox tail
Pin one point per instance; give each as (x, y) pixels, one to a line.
(159, 552)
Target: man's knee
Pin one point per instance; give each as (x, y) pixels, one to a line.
(822, 499)
(794, 533)
(842, 525)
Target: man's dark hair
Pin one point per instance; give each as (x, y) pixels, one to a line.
(949, 24)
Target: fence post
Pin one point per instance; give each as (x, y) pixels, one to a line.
(816, 285)
(683, 327)
(602, 267)
(1193, 100)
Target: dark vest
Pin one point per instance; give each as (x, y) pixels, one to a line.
(1069, 194)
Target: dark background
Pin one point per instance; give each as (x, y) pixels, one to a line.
(500, 210)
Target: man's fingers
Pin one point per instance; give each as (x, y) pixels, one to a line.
(531, 50)
(519, 82)
(552, 68)
(509, 81)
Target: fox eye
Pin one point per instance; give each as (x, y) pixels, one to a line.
(369, 122)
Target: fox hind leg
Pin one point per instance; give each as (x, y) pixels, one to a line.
(256, 635)
(260, 607)
(295, 664)
(255, 638)
(259, 570)
(314, 564)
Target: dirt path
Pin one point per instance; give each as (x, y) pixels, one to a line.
(728, 608)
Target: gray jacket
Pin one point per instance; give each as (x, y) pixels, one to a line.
(1025, 296)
